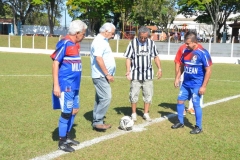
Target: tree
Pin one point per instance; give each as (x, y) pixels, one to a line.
(93, 12)
(154, 12)
(53, 9)
(5, 11)
(122, 10)
(167, 14)
(215, 12)
(145, 11)
(38, 18)
(20, 10)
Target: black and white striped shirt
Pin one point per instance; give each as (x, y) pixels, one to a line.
(141, 58)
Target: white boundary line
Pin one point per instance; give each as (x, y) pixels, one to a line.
(47, 75)
(136, 128)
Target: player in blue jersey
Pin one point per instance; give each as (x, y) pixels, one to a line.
(196, 63)
(66, 72)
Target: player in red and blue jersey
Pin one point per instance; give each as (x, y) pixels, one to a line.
(196, 64)
(178, 62)
(66, 71)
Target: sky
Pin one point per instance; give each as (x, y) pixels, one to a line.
(68, 19)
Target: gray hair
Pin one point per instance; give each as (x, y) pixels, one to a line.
(191, 35)
(76, 26)
(107, 27)
(143, 29)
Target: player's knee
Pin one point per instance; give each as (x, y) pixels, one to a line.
(66, 115)
(75, 111)
(180, 102)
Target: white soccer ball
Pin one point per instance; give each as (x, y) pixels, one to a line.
(126, 123)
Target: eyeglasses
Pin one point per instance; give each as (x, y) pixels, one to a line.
(143, 37)
(113, 33)
(81, 33)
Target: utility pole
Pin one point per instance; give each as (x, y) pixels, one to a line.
(66, 18)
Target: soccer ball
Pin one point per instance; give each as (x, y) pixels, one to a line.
(126, 123)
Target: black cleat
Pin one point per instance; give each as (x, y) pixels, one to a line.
(177, 125)
(72, 142)
(196, 130)
(63, 145)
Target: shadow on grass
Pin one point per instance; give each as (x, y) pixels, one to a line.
(127, 110)
(89, 116)
(172, 106)
(174, 119)
(55, 136)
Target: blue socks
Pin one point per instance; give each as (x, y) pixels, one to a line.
(180, 110)
(70, 123)
(198, 116)
(65, 126)
(62, 127)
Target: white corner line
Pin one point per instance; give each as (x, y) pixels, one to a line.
(136, 128)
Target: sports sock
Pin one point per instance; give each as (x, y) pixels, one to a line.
(180, 109)
(198, 115)
(70, 123)
(62, 127)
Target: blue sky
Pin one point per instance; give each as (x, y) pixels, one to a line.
(68, 19)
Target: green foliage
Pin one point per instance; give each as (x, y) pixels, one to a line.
(38, 2)
(5, 11)
(94, 12)
(142, 12)
(37, 18)
(154, 12)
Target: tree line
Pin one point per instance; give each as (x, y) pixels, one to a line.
(159, 13)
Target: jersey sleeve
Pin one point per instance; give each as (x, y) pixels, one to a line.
(179, 55)
(207, 60)
(129, 51)
(59, 53)
(154, 52)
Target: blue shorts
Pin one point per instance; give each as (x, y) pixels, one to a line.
(67, 101)
(188, 93)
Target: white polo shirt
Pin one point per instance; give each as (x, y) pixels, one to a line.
(100, 47)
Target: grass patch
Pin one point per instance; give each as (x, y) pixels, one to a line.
(29, 125)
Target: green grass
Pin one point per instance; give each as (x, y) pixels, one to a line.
(29, 125)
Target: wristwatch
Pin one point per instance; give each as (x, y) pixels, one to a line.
(107, 74)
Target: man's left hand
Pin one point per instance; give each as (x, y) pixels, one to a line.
(159, 74)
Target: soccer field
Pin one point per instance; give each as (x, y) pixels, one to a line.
(29, 125)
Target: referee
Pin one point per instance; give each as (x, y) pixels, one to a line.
(139, 55)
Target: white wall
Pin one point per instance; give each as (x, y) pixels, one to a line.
(31, 29)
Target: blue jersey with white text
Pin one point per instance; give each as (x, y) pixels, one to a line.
(195, 62)
(70, 67)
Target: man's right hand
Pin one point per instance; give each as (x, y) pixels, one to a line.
(110, 78)
(56, 91)
(176, 83)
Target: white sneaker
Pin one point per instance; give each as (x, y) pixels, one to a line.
(134, 117)
(146, 117)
